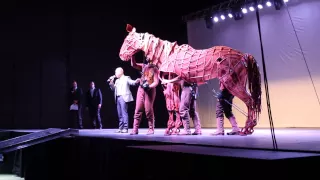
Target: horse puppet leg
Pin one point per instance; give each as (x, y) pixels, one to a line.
(253, 101)
(239, 77)
(251, 121)
(170, 124)
(169, 96)
(178, 123)
(176, 102)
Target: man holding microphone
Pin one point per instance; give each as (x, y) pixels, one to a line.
(123, 96)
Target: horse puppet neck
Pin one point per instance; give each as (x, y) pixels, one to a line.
(156, 49)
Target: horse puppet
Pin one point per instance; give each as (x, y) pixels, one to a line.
(237, 71)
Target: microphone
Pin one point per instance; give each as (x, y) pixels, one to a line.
(111, 78)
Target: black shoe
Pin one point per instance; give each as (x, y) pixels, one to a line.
(233, 133)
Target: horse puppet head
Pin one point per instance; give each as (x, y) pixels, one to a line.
(156, 50)
(132, 43)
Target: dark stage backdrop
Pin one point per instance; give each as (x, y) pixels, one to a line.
(46, 45)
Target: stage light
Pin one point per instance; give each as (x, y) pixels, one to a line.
(215, 19)
(285, 1)
(222, 17)
(251, 8)
(230, 15)
(244, 10)
(268, 4)
(260, 6)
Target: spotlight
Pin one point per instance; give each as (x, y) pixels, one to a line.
(222, 17)
(230, 15)
(251, 8)
(268, 4)
(215, 19)
(244, 10)
(285, 1)
(260, 6)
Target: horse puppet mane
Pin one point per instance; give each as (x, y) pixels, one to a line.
(156, 49)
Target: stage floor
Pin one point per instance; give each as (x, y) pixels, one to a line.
(287, 139)
(296, 139)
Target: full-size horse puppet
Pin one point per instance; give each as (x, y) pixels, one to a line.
(237, 71)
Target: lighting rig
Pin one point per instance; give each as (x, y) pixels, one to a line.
(233, 9)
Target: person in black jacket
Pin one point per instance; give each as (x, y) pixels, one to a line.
(94, 103)
(76, 99)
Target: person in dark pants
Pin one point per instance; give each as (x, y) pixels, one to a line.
(146, 95)
(94, 103)
(224, 108)
(75, 98)
(188, 109)
(123, 96)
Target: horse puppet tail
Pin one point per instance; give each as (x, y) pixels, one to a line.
(254, 85)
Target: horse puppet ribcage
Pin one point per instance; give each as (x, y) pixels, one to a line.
(233, 68)
(194, 66)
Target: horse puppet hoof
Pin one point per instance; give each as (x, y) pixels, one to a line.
(175, 131)
(242, 134)
(250, 131)
(168, 132)
(246, 131)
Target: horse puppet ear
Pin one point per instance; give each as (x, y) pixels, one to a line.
(130, 28)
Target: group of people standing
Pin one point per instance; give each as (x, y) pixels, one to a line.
(146, 96)
(92, 101)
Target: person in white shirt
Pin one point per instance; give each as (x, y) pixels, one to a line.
(123, 96)
(76, 99)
